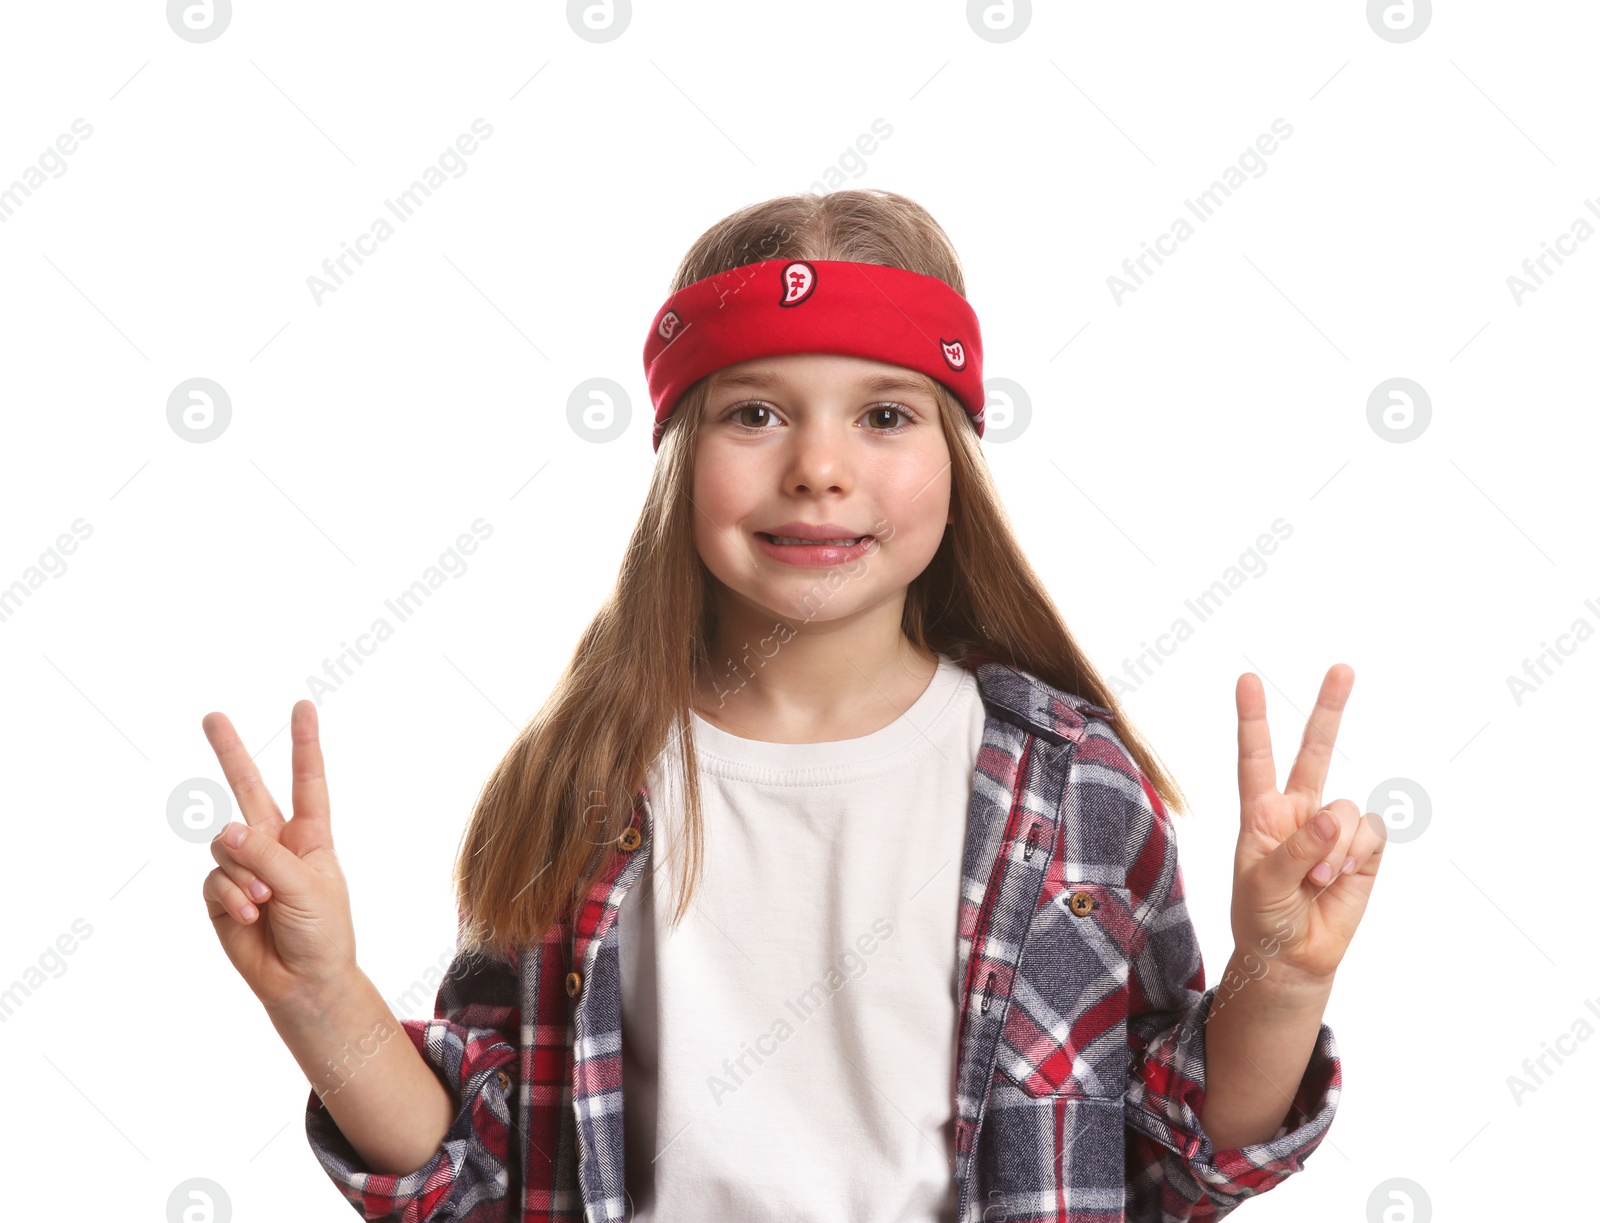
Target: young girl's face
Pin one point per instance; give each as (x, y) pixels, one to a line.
(809, 440)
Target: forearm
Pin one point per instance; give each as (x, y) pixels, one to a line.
(1258, 1040)
(385, 1099)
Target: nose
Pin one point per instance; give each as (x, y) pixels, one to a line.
(820, 458)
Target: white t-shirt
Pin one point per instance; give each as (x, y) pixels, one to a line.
(788, 1050)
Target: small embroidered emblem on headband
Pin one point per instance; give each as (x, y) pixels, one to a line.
(799, 278)
(955, 353)
(669, 323)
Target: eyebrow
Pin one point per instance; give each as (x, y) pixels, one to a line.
(876, 384)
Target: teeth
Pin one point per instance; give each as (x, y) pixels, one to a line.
(841, 543)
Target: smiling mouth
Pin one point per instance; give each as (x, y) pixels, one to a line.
(791, 540)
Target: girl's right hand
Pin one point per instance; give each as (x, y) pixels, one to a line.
(298, 944)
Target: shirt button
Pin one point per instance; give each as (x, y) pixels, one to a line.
(503, 1079)
(574, 982)
(629, 840)
(1082, 903)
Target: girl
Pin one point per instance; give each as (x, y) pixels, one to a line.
(925, 953)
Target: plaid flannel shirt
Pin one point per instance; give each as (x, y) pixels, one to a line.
(1078, 1074)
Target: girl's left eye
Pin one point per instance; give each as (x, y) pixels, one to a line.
(755, 405)
(894, 409)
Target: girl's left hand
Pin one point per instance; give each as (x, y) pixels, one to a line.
(1294, 907)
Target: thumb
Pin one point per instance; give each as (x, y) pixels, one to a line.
(287, 876)
(1319, 839)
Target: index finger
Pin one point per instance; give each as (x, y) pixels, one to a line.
(244, 779)
(1322, 727)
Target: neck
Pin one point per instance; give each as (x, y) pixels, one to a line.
(789, 682)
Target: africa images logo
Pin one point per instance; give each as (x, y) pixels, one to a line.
(955, 354)
(799, 279)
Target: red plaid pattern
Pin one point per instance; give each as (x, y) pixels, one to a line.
(1080, 1072)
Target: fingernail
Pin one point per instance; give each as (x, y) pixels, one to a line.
(1349, 865)
(249, 912)
(1321, 873)
(1325, 826)
(233, 834)
(259, 890)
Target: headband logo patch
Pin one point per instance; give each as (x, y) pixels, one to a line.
(955, 354)
(799, 279)
(669, 324)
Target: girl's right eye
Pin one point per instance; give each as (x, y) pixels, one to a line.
(754, 405)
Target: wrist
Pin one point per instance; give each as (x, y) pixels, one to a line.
(1273, 984)
(333, 1029)
(319, 1004)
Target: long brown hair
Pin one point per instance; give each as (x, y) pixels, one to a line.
(565, 790)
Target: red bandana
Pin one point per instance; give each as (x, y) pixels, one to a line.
(781, 306)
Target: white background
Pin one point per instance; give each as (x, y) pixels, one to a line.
(1167, 433)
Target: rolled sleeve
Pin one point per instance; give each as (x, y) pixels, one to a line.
(1173, 1173)
(1181, 1176)
(470, 1046)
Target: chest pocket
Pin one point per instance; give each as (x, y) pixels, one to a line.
(1066, 1029)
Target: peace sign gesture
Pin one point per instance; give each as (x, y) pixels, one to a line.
(301, 939)
(1303, 870)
